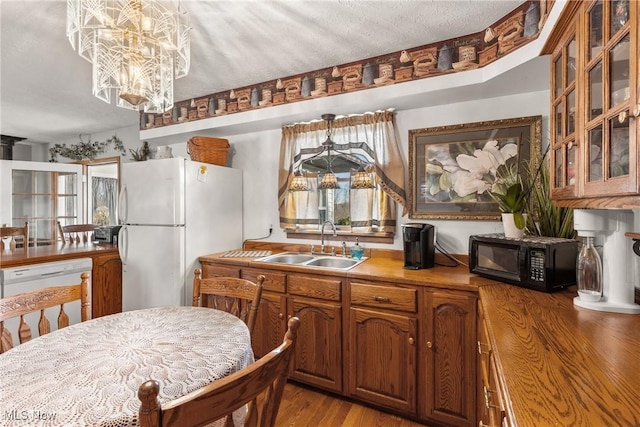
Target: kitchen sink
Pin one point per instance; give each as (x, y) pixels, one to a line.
(317, 261)
(333, 262)
(288, 258)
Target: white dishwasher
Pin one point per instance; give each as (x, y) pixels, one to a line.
(28, 278)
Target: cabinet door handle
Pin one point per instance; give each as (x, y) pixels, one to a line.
(281, 315)
(636, 110)
(381, 299)
(481, 351)
(411, 341)
(623, 116)
(429, 344)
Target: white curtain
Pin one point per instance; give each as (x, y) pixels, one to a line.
(105, 193)
(372, 135)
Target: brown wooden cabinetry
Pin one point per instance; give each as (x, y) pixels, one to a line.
(316, 301)
(382, 345)
(106, 284)
(449, 358)
(489, 397)
(595, 104)
(271, 323)
(401, 347)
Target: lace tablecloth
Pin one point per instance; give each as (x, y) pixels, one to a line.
(89, 373)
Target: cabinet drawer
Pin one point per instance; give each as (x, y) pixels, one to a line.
(391, 297)
(274, 281)
(209, 270)
(314, 287)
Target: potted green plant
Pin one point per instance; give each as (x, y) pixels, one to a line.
(511, 196)
(546, 218)
(512, 202)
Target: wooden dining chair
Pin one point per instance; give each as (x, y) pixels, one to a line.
(30, 302)
(76, 233)
(13, 232)
(259, 386)
(239, 297)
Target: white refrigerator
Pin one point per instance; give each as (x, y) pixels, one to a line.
(173, 211)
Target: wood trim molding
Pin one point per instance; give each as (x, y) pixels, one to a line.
(564, 21)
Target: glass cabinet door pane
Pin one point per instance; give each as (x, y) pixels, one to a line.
(557, 168)
(558, 75)
(66, 207)
(595, 91)
(43, 184)
(67, 183)
(571, 62)
(22, 181)
(41, 230)
(571, 163)
(595, 30)
(558, 121)
(571, 112)
(619, 147)
(619, 15)
(22, 207)
(595, 154)
(619, 72)
(43, 206)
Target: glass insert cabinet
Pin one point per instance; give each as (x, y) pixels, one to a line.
(41, 194)
(595, 105)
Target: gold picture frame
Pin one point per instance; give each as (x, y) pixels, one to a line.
(452, 168)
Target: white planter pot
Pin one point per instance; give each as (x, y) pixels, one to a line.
(510, 229)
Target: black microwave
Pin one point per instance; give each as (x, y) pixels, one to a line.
(542, 263)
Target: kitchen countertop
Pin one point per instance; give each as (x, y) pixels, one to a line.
(381, 265)
(563, 365)
(51, 253)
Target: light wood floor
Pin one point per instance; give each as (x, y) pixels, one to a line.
(304, 407)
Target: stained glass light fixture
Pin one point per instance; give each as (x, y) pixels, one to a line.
(362, 179)
(299, 182)
(136, 47)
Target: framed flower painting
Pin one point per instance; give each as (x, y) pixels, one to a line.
(453, 169)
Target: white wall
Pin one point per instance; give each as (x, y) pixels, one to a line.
(257, 154)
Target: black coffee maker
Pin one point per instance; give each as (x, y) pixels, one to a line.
(419, 245)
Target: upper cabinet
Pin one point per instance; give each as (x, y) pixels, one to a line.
(595, 104)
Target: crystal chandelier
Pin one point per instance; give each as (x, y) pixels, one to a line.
(137, 48)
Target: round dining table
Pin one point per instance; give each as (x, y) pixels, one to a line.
(88, 374)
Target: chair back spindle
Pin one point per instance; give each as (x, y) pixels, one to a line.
(239, 297)
(19, 306)
(10, 237)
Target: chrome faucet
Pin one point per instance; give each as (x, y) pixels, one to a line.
(322, 234)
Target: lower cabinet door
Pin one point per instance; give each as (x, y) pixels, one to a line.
(382, 355)
(106, 285)
(449, 357)
(270, 325)
(318, 353)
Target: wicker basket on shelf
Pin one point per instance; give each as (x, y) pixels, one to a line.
(208, 150)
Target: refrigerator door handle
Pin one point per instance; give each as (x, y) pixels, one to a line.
(123, 245)
(123, 205)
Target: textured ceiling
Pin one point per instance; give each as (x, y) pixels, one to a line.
(45, 87)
